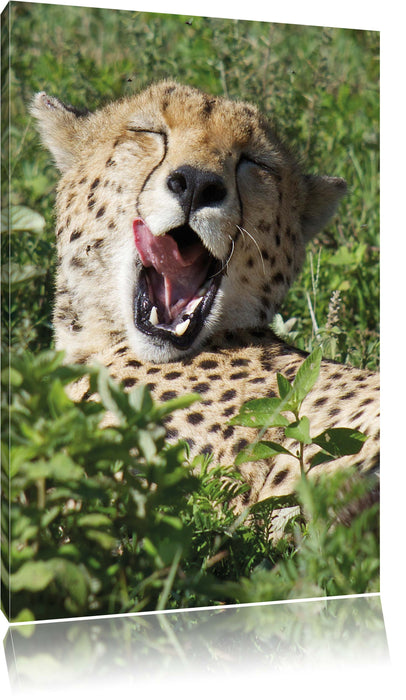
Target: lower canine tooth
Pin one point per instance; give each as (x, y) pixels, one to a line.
(181, 328)
(153, 317)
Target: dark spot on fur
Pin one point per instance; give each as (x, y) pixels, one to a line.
(77, 262)
(367, 401)
(208, 106)
(95, 183)
(320, 402)
(172, 434)
(228, 395)
(201, 388)
(257, 380)
(100, 212)
(278, 278)
(207, 449)
(121, 351)
(76, 234)
(333, 412)
(208, 364)
(349, 395)
(279, 477)
(214, 377)
(194, 418)
(239, 375)
(168, 395)
(357, 415)
(228, 432)
(228, 411)
(238, 446)
(215, 428)
(172, 375)
(240, 362)
(129, 381)
(133, 363)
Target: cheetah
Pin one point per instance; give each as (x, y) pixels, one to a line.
(182, 220)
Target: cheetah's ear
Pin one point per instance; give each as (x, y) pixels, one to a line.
(322, 198)
(59, 126)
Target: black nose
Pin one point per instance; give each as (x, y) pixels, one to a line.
(196, 188)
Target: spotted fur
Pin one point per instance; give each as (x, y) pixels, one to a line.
(177, 159)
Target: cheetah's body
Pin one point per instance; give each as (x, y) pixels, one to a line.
(182, 222)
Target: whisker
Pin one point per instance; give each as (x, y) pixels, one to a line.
(228, 258)
(242, 231)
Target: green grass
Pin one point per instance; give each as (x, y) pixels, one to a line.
(320, 87)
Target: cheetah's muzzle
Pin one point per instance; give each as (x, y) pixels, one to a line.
(177, 286)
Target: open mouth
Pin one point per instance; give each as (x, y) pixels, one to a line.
(177, 286)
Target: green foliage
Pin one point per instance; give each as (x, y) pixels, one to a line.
(82, 518)
(330, 558)
(269, 413)
(113, 519)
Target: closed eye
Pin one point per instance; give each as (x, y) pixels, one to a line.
(271, 169)
(141, 130)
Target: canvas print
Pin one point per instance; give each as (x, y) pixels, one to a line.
(190, 276)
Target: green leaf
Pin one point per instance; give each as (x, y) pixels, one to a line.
(300, 430)
(14, 275)
(175, 404)
(260, 413)
(340, 441)
(306, 377)
(105, 540)
(320, 458)
(11, 376)
(275, 503)
(59, 467)
(140, 399)
(58, 399)
(20, 218)
(94, 520)
(32, 576)
(284, 385)
(260, 450)
(147, 444)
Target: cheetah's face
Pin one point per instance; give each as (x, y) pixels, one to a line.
(203, 215)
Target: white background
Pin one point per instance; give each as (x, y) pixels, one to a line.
(388, 18)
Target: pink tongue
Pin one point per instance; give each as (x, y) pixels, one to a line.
(162, 252)
(179, 274)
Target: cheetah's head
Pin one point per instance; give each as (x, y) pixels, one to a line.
(179, 214)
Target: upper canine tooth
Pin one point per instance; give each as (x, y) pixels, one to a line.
(192, 306)
(153, 317)
(181, 328)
